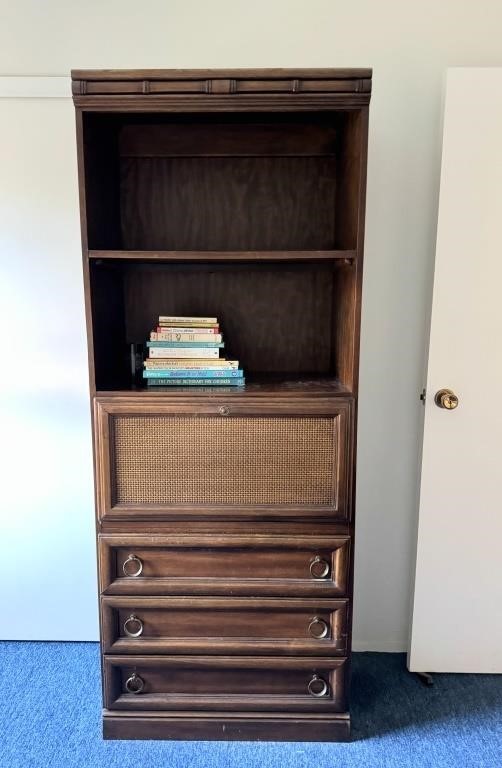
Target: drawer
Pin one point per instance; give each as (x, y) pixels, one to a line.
(225, 625)
(204, 458)
(216, 565)
(224, 683)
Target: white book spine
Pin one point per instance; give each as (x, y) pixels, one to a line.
(173, 319)
(198, 352)
(174, 329)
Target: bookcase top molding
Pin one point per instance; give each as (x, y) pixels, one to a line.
(221, 88)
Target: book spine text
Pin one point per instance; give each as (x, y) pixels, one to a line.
(169, 362)
(196, 382)
(199, 337)
(197, 352)
(179, 320)
(187, 373)
(186, 344)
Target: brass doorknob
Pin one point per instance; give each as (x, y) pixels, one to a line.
(446, 398)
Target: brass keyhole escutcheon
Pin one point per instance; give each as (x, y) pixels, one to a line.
(446, 398)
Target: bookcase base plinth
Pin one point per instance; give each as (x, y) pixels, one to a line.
(183, 726)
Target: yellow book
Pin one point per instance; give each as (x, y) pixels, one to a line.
(167, 362)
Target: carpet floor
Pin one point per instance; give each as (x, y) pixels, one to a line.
(51, 702)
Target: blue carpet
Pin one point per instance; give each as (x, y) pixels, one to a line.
(51, 717)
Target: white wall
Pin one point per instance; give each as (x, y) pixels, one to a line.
(47, 552)
(409, 45)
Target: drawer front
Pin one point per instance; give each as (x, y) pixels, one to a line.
(225, 625)
(224, 683)
(216, 565)
(239, 461)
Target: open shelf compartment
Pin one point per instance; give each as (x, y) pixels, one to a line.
(225, 182)
(288, 323)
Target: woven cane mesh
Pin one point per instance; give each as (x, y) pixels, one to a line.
(214, 460)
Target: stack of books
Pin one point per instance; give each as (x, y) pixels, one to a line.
(185, 352)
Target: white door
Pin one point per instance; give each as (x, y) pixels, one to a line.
(457, 602)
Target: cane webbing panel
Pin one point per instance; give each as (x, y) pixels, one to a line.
(213, 460)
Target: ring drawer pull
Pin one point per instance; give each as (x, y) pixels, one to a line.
(132, 619)
(134, 684)
(224, 410)
(319, 568)
(318, 687)
(139, 566)
(318, 628)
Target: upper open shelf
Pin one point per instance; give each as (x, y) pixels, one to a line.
(240, 183)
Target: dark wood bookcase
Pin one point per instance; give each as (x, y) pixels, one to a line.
(225, 515)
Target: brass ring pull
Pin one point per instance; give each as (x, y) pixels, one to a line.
(139, 566)
(319, 568)
(132, 619)
(318, 628)
(224, 410)
(134, 684)
(318, 687)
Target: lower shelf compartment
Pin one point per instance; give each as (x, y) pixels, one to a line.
(216, 726)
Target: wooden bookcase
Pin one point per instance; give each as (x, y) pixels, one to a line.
(225, 515)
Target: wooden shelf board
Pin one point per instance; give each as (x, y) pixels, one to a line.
(256, 385)
(177, 256)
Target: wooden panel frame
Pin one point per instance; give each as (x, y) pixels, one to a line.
(335, 701)
(336, 585)
(335, 643)
(105, 409)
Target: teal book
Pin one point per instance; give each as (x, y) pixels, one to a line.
(187, 344)
(193, 373)
(227, 382)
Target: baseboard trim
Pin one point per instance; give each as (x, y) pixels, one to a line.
(389, 646)
(184, 726)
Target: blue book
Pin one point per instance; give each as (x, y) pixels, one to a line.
(223, 382)
(188, 344)
(192, 373)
